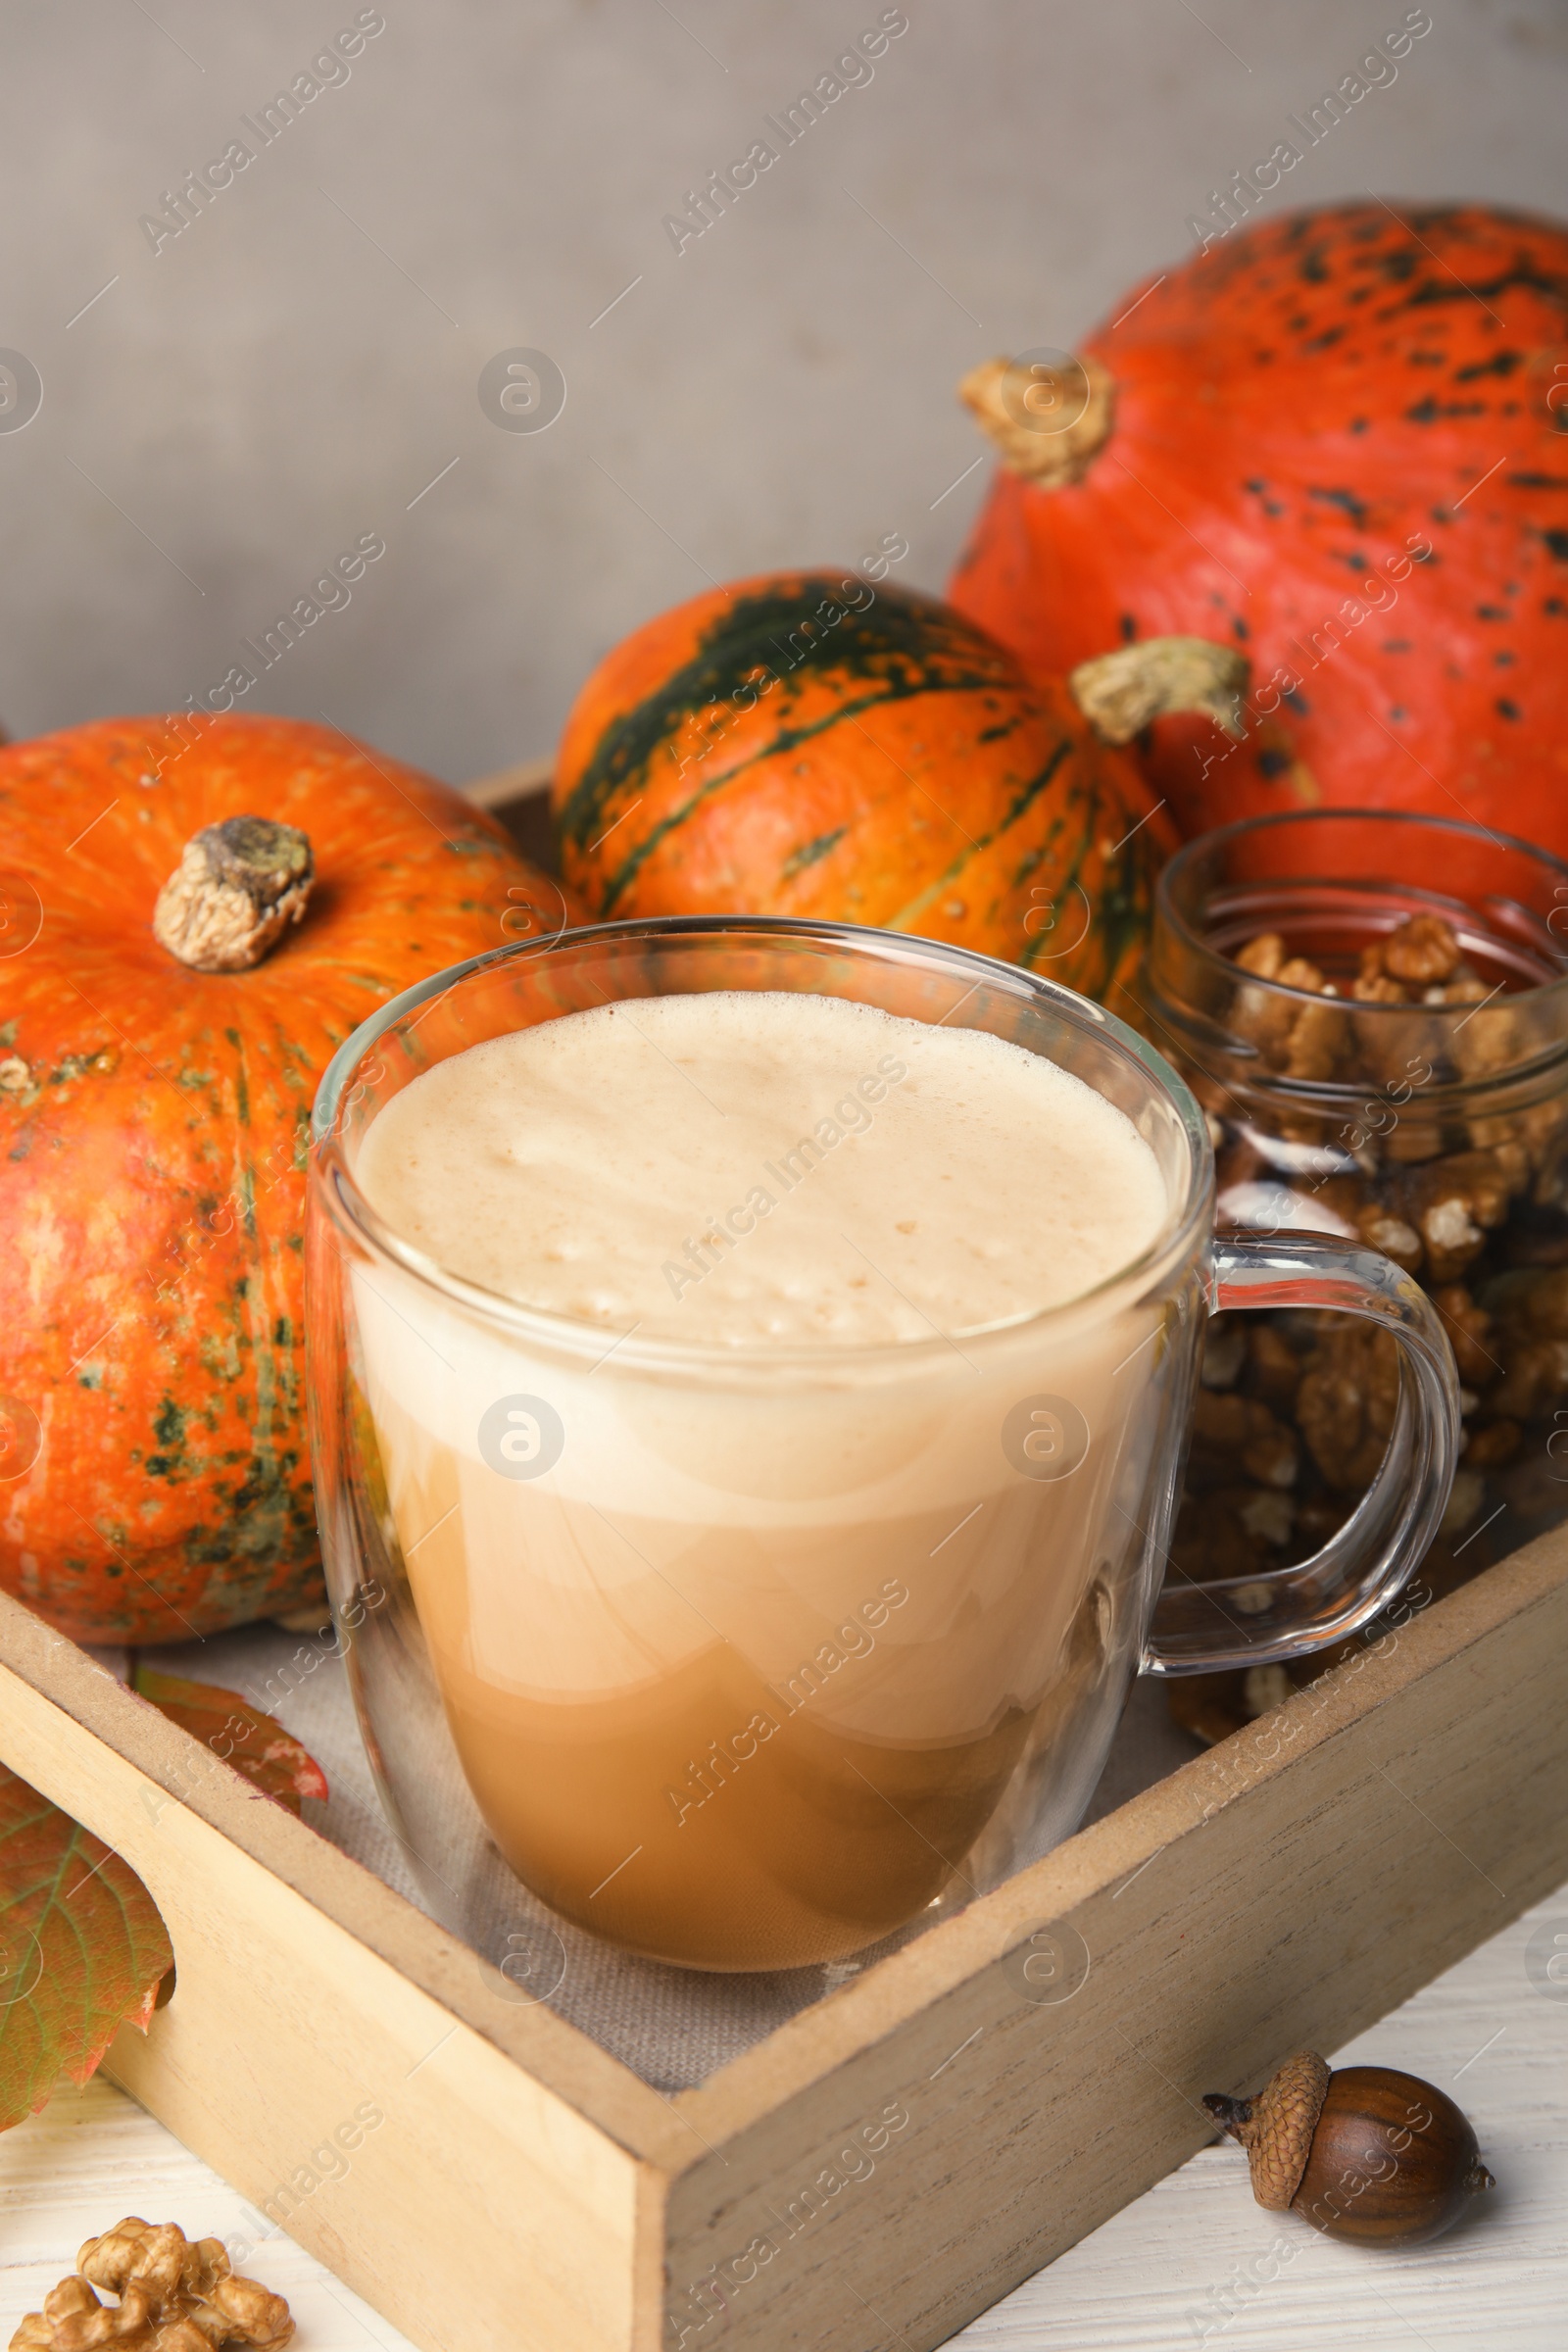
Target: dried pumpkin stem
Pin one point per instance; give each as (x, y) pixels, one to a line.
(1047, 418)
(1119, 693)
(237, 887)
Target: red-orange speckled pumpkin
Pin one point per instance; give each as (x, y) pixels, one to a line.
(153, 1129)
(1339, 437)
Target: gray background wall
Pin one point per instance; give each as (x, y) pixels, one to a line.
(292, 370)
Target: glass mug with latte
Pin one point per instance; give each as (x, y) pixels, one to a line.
(751, 1363)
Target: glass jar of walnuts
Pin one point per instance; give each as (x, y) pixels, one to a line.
(1373, 1011)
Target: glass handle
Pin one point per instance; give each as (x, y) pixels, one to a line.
(1290, 1612)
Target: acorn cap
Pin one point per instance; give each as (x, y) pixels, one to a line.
(1276, 2128)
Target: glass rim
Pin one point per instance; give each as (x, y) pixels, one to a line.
(341, 1198)
(1182, 861)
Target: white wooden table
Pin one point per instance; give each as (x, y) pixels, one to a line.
(1189, 2264)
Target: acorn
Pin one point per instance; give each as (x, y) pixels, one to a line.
(1361, 2152)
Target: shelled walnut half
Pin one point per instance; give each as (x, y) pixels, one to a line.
(1419, 964)
(174, 2296)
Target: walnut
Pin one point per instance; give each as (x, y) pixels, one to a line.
(1489, 1447)
(1263, 956)
(1421, 965)
(1423, 948)
(1510, 1155)
(1376, 988)
(1263, 1019)
(1270, 1454)
(1380, 1229)
(1467, 1494)
(1317, 1039)
(1302, 1042)
(1536, 1375)
(1453, 1204)
(160, 2260)
(1541, 1303)
(1373, 985)
(1412, 964)
(1276, 1368)
(1224, 1352)
(1490, 1180)
(1452, 1236)
(1264, 1689)
(1268, 1514)
(1219, 1419)
(1485, 1041)
(1243, 1427)
(175, 2296)
(1346, 1404)
(1469, 1327)
(247, 2314)
(1213, 1541)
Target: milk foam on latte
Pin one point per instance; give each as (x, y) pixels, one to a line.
(754, 1169)
(738, 1652)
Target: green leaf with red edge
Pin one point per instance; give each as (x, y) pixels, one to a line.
(82, 1949)
(255, 1744)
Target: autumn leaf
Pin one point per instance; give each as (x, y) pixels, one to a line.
(82, 1949)
(255, 1744)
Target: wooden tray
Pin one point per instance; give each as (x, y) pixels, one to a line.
(902, 2153)
(898, 2156)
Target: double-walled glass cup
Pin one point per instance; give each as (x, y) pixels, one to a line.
(751, 1657)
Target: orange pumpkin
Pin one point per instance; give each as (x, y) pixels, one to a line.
(803, 745)
(1339, 438)
(154, 1121)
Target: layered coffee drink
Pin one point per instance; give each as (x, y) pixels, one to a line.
(762, 1512)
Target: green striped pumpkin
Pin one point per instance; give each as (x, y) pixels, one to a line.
(806, 744)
